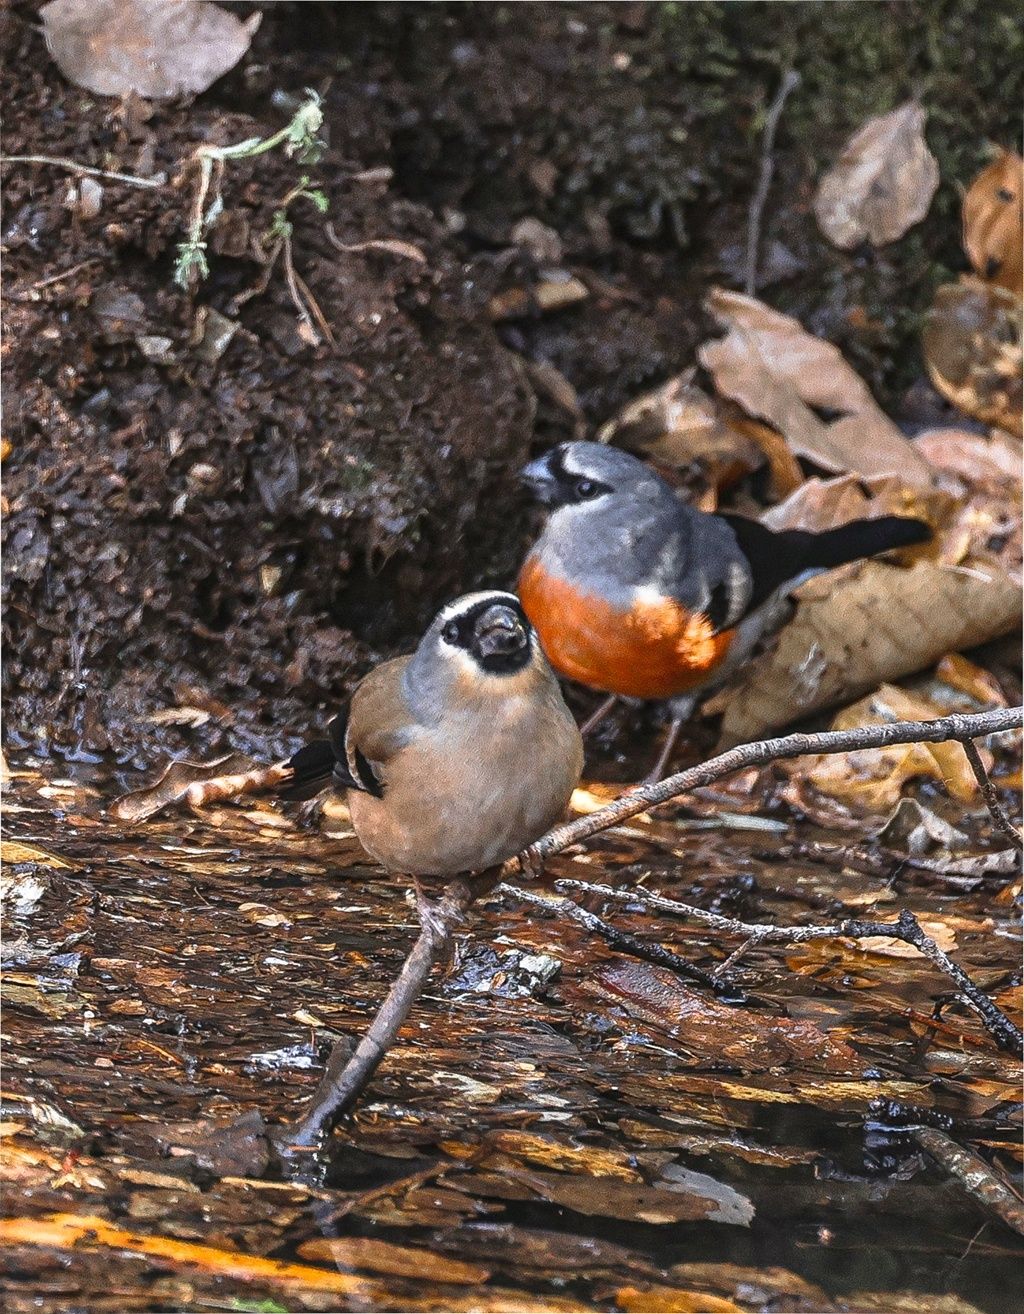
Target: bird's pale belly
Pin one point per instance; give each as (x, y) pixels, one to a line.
(496, 792)
(656, 649)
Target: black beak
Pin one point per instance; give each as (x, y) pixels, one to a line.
(541, 481)
(500, 632)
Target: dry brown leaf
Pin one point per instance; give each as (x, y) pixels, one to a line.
(882, 184)
(972, 349)
(730, 1036)
(154, 48)
(994, 222)
(779, 372)
(606, 1197)
(772, 1280)
(971, 679)
(199, 783)
(873, 780)
(13, 852)
(680, 425)
(376, 1256)
(991, 463)
(672, 1300)
(883, 623)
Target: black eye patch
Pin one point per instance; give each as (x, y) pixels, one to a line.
(460, 631)
(574, 488)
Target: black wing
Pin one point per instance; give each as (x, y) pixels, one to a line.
(324, 762)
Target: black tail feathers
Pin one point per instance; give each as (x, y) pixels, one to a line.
(312, 770)
(779, 557)
(862, 538)
(325, 762)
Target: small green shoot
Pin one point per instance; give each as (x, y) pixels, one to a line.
(298, 138)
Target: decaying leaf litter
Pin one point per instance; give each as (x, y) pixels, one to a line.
(620, 1121)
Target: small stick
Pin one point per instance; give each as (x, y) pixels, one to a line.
(938, 731)
(974, 1175)
(790, 81)
(343, 1082)
(905, 928)
(649, 951)
(61, 162)
(988, 791)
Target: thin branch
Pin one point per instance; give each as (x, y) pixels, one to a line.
(649, 951)
(905, 928)
(975, 1176)
(344, 1081)
(62, 162)
(941, 730)
(790, 81)
(988, 792)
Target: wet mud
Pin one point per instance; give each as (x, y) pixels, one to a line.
(559, 1126)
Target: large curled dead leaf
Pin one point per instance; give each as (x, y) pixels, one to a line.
(198, 783)
(873, 780)
(780, 373)
(154, 48)
(972, 348)
(882, 184)
(679, 424)
(994, 222)
(882, 624)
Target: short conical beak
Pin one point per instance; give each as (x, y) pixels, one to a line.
(537, 476)
(500, 632)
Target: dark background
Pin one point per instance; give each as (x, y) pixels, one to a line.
(246, 537)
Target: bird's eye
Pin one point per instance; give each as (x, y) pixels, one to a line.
(450, 633)
(587, 488)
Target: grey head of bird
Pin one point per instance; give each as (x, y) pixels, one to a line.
(482, 643)
(608, 513)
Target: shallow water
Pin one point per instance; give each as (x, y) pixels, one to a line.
(532, 1140)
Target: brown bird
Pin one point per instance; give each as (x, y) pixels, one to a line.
(637, 594)
(457, 757)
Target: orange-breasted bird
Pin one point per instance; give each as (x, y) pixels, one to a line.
(457, 757)
(637, 594)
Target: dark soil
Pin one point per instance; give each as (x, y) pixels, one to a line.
(245, 535)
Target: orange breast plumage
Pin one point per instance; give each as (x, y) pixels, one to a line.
(656, 649)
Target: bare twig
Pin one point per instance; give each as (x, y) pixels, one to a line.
(391, 245)
(976, 1177)
(343, 1083)
(790, 80)
(941, 730)
(905, 928)
(62, 162)
(649, 951)
(988, 792)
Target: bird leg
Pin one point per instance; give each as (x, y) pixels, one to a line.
(427, 911)
(665, 756)
(597, 716)
(681, 710)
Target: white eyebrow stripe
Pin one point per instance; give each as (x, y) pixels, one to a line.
(461, 605)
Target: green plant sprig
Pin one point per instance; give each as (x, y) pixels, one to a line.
(299, 139)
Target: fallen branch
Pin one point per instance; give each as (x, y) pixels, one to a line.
(72, 166)
(959, 727)
(790, 81)
(975, 1176)
(988, 793)
(345, 1078)
(649, 951)
(906, 928)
